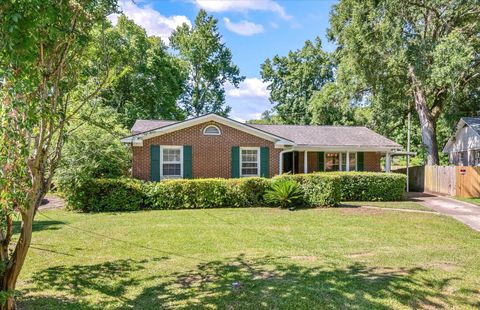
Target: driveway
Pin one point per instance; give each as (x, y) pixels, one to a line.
(462, 211)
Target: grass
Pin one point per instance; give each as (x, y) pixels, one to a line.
(250, 258)
(409, 205)
(475, 201)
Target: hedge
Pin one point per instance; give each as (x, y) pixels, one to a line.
(319, 189)
(120, 194)
(372, 186)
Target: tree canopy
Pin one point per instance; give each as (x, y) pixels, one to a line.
(293, 79)
(42, 57)
(147, 80)
(209, 63)
(415, 55)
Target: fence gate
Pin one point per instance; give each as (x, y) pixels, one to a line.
(440, 179)
(468, 181)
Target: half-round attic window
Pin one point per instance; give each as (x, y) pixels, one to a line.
(211, 130)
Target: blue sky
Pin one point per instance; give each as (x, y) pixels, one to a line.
(253, 29)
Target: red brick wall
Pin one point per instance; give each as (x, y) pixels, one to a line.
(372, 162)
(211, 155)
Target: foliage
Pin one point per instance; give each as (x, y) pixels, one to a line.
(43, 49)
(209, 64)
(319, 189)
(372, 186)
(92, 150)
(414, 55)
(95, 195)
(147, 79)
(284, 193)
(330, 107)
(293, 79)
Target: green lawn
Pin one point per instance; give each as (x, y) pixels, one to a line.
(251, 259)
(410, 205)
(471, 200)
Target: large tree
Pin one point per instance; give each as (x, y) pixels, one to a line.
(293, 79)
(417, 54)
(210, 66)
(148, 80)
(43, 44)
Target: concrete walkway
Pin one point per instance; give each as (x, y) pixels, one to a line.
(464, 212)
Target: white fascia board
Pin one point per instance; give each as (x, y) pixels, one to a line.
(350, 148)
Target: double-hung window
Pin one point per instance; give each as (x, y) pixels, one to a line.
(171, 165)
(338, 161)
(249, 161)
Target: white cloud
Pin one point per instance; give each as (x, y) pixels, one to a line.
(151, 20)
(243, 6)
(244, 28)
(250, 88)
(248, 101)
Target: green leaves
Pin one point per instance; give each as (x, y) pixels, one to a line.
(284, 193)
(293, 79)
(209, 64)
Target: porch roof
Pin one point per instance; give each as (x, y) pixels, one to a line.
(330, 136)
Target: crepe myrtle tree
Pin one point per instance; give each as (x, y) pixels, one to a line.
(44, 47)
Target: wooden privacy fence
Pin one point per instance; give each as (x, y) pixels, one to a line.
(448, 180)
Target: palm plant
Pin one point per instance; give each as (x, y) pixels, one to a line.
(284, 193)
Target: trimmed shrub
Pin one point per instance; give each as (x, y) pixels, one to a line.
(372, 186)
(206, 193)
(319, 189)
(316, 189)
(97, 195)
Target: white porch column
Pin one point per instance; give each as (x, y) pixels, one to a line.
(388, 162)
(347, 168)
(305, 162)
(280, 166)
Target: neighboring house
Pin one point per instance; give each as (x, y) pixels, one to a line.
(463, 147)
(212, 146)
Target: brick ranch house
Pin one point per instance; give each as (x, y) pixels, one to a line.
(212, 146)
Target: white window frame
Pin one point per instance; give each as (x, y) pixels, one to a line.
(171, 147)
(211, 134)
(341, 159)
(258, 161)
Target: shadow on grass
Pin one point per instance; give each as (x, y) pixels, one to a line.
(268, 282)
(39, 225)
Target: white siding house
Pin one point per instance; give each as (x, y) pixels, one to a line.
(464, 146)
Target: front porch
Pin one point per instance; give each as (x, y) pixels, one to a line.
(305, 161)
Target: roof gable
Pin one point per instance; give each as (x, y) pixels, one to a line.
(137, 138)
(471, 122)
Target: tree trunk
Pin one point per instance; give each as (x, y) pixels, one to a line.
(15, 263)
(428, 122)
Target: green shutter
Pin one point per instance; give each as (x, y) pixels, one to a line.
(264, 162)
(155, 163)
(235, 162)
(321, 161)
(360, 161)
(187, 161)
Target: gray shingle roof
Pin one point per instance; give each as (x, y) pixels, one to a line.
(302, 135)
(142, 125)
(329, 135)
(473, 122)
